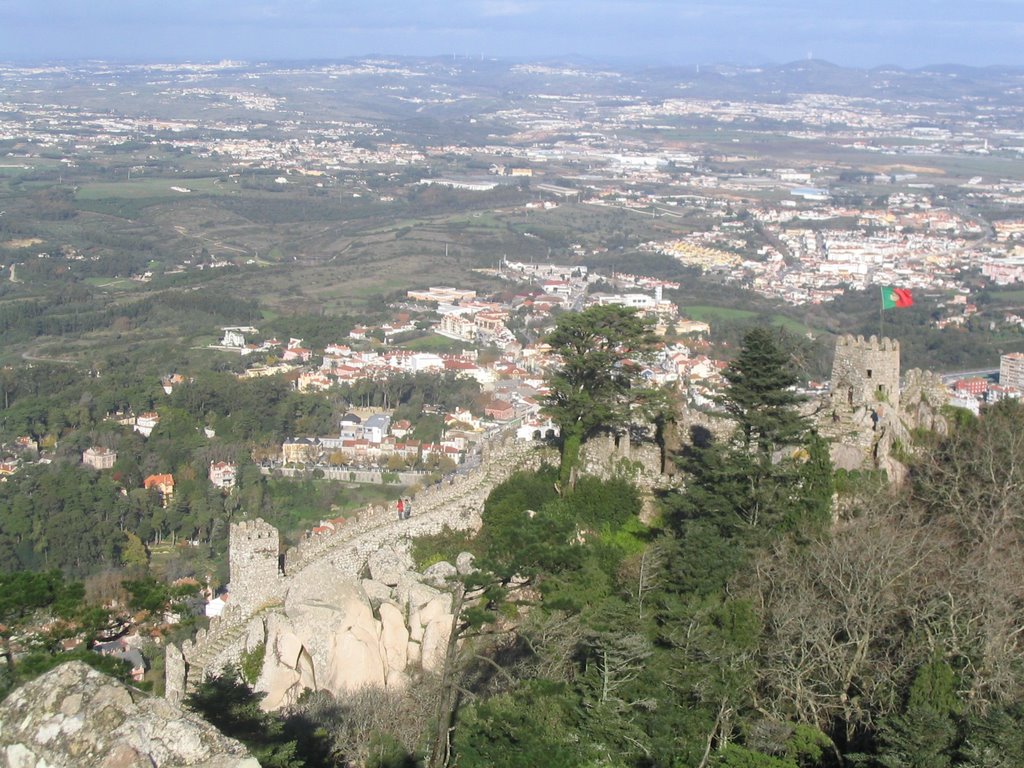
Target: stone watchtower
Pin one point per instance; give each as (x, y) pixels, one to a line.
(865, 373)
(254, 560)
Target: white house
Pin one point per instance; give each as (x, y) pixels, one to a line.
(223, 474)
(146, 422)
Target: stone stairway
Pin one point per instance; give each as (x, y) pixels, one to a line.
(224, 638)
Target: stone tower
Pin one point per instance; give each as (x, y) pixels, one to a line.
(254, 560)
(865, 373)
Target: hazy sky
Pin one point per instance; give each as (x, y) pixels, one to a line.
(851, 32)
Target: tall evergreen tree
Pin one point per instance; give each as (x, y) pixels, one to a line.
(598, 382)
(772, 468)
(760, 395)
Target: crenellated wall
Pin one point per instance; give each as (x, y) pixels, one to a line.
(865, 372)
(258, 584)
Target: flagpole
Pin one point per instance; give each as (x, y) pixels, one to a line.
(881, 314)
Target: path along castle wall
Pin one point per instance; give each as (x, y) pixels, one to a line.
(259, 585)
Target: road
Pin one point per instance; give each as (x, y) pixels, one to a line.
(215, 243)
(47, 359)
(984, 372)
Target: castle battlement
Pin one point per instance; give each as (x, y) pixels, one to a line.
(865, 372)
(872, 344)
(253, 529)
(254, 559)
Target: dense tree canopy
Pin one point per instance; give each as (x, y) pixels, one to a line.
(602, 350)
(598, 382)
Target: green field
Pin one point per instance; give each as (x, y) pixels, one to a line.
(435, 343)
(1007, 297)
(712, 315)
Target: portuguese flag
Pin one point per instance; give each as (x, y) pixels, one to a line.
(896, 297)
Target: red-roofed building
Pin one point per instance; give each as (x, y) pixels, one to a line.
(27, 443)
(164, 485)
(998, 392)
(500, 410)
(459, 365)
(972, 386)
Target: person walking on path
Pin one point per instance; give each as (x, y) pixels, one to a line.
(401, 510)
(408, 508)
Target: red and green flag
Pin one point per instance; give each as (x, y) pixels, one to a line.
(896, 297)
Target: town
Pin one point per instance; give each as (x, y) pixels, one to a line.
(406, 393)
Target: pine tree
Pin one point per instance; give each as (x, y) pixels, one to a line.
(772, 469)
(598, 382)
(760, 395)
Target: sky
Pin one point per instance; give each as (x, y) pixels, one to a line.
(861, 33)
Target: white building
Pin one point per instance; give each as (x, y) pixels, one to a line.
(634, 300)
(1011, 370)
(426, 361)
(216, 606)
(146, 422)
(537, 429)
(233, 338)
(223, 474)
(98, 457)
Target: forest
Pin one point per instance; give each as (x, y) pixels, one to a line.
(65, 516)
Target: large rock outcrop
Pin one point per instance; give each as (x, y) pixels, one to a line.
(76, 717)
(342, 634)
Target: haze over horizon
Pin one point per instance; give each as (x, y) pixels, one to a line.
(871, 33)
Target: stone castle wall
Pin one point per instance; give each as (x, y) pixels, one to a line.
(870, 412)
(254, 556)
(633, 454)
(257, 583)
(865, 372)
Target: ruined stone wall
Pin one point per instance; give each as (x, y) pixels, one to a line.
(211, 649)
(175, 674)
(865, 372)
(346, 474)
(257, 583)
(633, 454)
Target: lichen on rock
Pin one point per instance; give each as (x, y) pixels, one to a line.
(76, 717)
